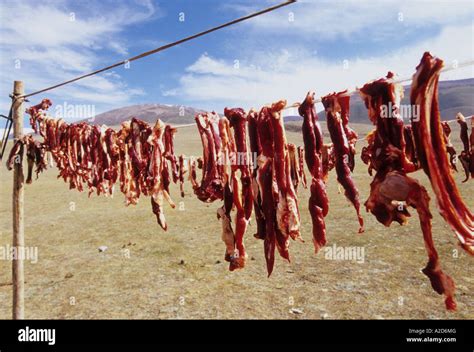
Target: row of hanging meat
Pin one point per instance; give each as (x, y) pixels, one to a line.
(248, 163)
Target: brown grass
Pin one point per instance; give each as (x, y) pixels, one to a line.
(181, 273)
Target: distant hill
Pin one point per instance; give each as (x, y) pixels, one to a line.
(172, 114)
(454, 96)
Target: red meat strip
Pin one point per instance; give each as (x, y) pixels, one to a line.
(256, 150)
(466, 156)
(392, 191)
(182, 171)
(449, 146)
(313, 144)
(211, 187)
(241, 186)
(336, 106)
(428, 133)
(169, 151)
(302, 174)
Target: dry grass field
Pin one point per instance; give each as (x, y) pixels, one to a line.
(180, 274)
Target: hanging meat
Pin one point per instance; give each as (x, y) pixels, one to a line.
(182, 170)
(429, 140)
(211, 187)
(240, 183)
(367, 152)
(277, 196)
(158, 177)
(169, 151)
(337, 111)
(227, 175)
(466, 156)
(302, 174)
(294, 166)
(35, 155)
(449, 146)
(328, 160)
(410, 149)
(256, 150)
(192, 176)
(351, 135)
(471, 156)
(97, 157)
(297, 165)
(227, 152)
(392, 191)
(40, 108)
(313, 143)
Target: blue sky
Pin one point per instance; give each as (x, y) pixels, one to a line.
(317, 45)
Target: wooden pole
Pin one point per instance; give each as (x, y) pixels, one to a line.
(18, 276)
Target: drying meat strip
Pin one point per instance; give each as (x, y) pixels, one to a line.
(301, 172)
(328, 160)
(337, 106)
(410, 149)
(313, 143)
(241, 186)
(294, 166)
(288, 217)
(428, 135)
(35, 112)
(35, 154)
(192, 177)
(16, 153)
(265, 184)
(182, 171)
(226, 153)
(228, 235)
(466, 156)
(464, 132)
(211, 187)
(280, 218)
(256, 150)
(449, 146)
(169, 151)
(157, 176)
(392, 191)
(368, 151)
(351, 135)
(98, 157)
(471, 155)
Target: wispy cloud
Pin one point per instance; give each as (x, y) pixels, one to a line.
(265, 77)
(60, 39)
(373, 20)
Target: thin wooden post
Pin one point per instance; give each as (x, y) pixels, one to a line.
(18, 275)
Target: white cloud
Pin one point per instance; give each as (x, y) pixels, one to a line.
(52, 44)
(373, 20)
(263, 77)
